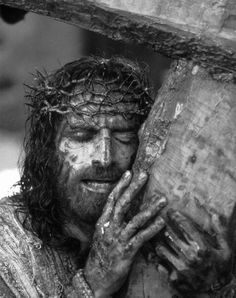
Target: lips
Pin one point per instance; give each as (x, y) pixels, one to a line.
(100, 186)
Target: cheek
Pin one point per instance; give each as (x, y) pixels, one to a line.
(74, 155)
(125, 155)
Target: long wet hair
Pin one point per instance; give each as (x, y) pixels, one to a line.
(49, 101)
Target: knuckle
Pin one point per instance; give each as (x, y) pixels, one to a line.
(126, 175)
(119, 208)
(199, 247)
(124, 203)
(136, 240)
(146, 214)
(176, 215)
(147, 234)
(160, 251)
(202, 252)
(157, 225)
(133, 188)
(162, 202)
(98, 225)
(193, 258)
(183, 268)
(129, 248)
(142, 176)
(111, 196)
(135, 223)
(140, 221)
(160, 221)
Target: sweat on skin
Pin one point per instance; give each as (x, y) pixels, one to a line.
(94, 150)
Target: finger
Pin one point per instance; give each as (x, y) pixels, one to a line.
(217, 228)
(142, 218)
(147, 201)
(123, 203)
(180, 247)
(220, 235)
(231, 231)
(184, 227)
(191, 254)
(143, 236)
(199, 215)
(215, 223)
(114, 195)
(166, 255)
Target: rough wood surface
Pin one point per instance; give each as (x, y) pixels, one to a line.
(190, 139)
(199, 160)
(193, 155)
(207, 15)
(210, 45)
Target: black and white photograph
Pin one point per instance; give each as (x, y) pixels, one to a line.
(117, 149)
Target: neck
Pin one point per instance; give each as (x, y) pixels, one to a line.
(81, 231)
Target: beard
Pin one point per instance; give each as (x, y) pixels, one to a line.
(79, 202)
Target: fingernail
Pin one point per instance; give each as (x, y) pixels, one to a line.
(174, 214)
(160, 221)
(162, 202)
(170, 212)
(127, 174)
(143, 175)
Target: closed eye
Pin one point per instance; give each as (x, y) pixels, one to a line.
(82, 135)
(125, 137)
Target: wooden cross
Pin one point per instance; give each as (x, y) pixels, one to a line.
(189, 141)
(203, 32)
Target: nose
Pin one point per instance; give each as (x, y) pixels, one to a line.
(104, 149)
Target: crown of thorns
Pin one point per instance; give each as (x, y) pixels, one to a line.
(113, 82)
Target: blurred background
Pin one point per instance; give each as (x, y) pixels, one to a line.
(38, 42)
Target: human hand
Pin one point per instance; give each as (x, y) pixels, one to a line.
(115, 241)
(196, 252)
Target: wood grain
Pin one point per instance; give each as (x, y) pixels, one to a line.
(194, 161)
(210, 46)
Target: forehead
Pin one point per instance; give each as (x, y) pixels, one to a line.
(101, 120)
(99, 95)
(96, 111)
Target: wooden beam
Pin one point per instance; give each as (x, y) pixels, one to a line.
(188, 144)
(214, 48)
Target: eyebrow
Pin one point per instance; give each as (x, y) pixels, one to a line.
(90, 125)
(80, 124)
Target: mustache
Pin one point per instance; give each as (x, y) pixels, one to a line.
(98, 172)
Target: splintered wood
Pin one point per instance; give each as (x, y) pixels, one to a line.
(188, 143)
(199, 161)
(202, 31)
(192, 160)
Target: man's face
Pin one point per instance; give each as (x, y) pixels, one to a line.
(94, 151)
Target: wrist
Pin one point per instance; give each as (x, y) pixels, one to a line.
(98, 292)
(81, 286)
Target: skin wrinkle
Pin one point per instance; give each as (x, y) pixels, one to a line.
(89, 161)
(99, 148)
(96, 142)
